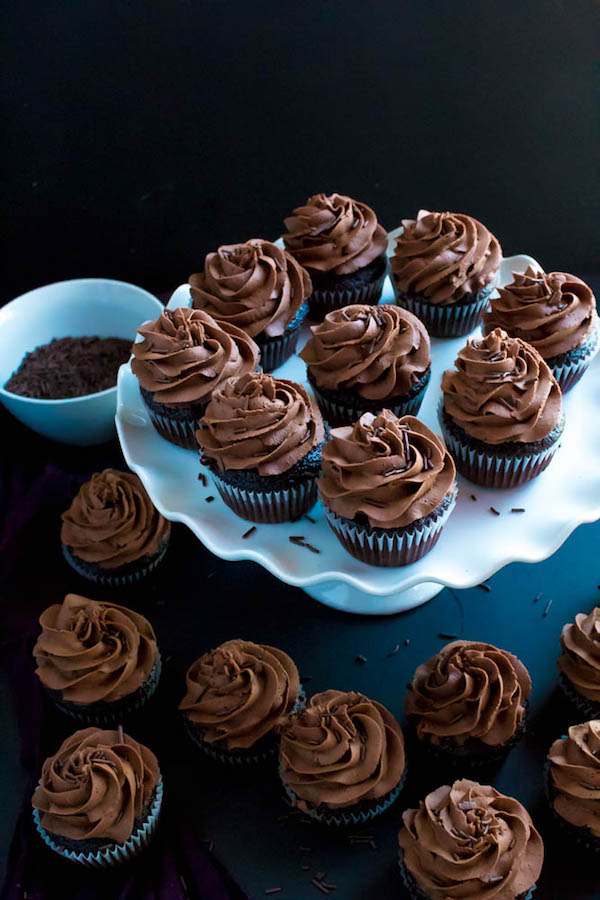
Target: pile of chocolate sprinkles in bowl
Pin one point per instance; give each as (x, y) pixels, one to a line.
(69, 367)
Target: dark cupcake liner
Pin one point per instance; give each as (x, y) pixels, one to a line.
(582, 837)
(268, 507)
(361, 813)
(181, 432)
(587, 708)
(399, 547)
(106, 714)
(264, 750)
(274, 351)
(337, 408)
(446, 321)
(324, 300)
(416, 893)
(124, 575)
(113, 854)
(569, 367)
(495, 470)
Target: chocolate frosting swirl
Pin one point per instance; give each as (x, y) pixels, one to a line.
(378, 351)
(580, 659)
(470, 841)
(334, 234)
(112, 521)
(469, 690)
(575, 773)
(240, 692)
(444, 256)
(341, 749)
(93, 651)
(393, 471)
(554, 311)
(96, 786)
(255, 285)
(260, 422)
(502, 390)
(185, 354)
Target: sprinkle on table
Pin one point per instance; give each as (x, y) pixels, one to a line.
(447, 637)
(547, 610)
(406, 642)
(202, 478)
(518, 509)
(394, 650)
(360, 659)
(209, 499)
(273, 891)
(249, 533)
(473, 497)
(494, 511)
(301, 541)
(309, 519)
(538, 597)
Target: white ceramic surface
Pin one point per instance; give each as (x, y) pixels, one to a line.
(474, 544)
(84, 306)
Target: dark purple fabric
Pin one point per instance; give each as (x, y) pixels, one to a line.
(37, 482)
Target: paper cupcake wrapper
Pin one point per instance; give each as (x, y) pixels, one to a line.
(344, 817)
(322, 302)
(587, 708)
(487, 469)
(181, 432)
(336, 413)
(445, 321)
(583, 837)
(106, 717)
(568, 373)
(415, 892)
(391, 548)
(114, 854)
(242, 757)
(115, 580)
(269, 506)
(275, 351)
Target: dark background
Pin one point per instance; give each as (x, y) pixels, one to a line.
(141, 134)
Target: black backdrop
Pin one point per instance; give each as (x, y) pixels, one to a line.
(140, 134)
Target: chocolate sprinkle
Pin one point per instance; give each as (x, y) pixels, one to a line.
(248, 533)
(473, 497)
(494, 511)
(202, 478)
(448, 637)
(301, 541)
(394, 651)
(360, 658)
(547, 610)
(406, 642)
(309, 519)
(517, 509)
(209, 499)
(484, 587)
(538, 596)
(273, 891)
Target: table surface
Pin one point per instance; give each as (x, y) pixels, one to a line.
(195, 601)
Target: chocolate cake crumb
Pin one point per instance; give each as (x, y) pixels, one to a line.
(69, 367)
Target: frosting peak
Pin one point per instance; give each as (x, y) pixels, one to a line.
(112, 521)
(334, 234)
(575, 776)
(469, 690)
(240, 692)
(580, 659)
(341, 749)
(185, 354)
(378, 351)
(254, 285)
(444, 256)
(502, 391)
(391, 471)
(469, 841)
(93, 651)
(554, 311)
(96, 786)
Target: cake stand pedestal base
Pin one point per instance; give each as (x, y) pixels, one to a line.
(342, 596)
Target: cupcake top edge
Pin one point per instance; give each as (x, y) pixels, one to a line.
(574, 762)
(579, 661)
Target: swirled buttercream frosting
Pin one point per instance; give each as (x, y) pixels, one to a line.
(580, 658)
(340, 750)
(240, 692)
(575, 776)
(391, 471)
(502, 391)
(377, 351)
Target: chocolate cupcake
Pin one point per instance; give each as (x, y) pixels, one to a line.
(112, 534)
(99, 798)
(579, 663)
(343, 248)
(341, 758)
(261, 439)
(554, 312)
(238, 696)
(182, 358)
(260, 289)
(573, 783)
(502, 411)
(468, 702)
(388, 488)
(363, 358)
(444, 269)
(469, 842)
(97, 661)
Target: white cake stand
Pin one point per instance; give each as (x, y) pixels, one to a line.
(474, 544)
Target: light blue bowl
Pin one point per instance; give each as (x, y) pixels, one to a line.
(85, 306)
